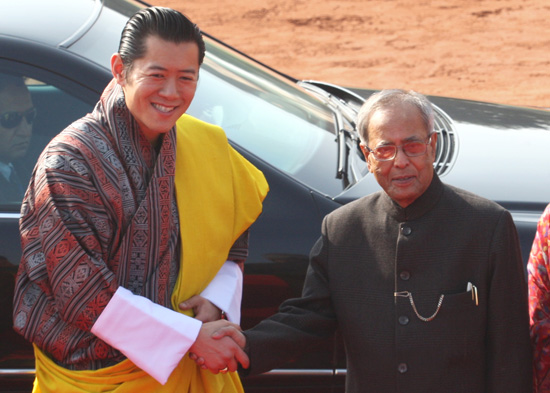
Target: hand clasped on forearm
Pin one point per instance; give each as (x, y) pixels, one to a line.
(219, 347)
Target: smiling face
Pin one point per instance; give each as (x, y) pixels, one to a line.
(14, 141)
(160, 86)
(405, 178)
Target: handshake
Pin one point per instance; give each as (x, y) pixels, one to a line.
(219, 346)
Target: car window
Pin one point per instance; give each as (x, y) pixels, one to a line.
(32, 112)
(269, 116)
(27, 123)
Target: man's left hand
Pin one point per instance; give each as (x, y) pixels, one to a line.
(204, 310)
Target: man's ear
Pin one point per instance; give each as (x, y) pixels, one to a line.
(365, 151)
(366, 154)
(117, 69)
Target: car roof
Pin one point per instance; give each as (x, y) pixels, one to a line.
(90, 28)
(31, 18)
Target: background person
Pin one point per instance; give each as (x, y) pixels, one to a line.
(539, 302)
(17, 114)
(110, 249)
(425, 281)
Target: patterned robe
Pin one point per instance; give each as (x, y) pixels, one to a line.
(100, 213)
(539, 302)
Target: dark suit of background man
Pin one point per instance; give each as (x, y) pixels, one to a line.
(16, 116)
(425, 281)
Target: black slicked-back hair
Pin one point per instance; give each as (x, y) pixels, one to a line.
(167, 24)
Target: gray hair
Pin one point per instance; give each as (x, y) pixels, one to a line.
(390, 97)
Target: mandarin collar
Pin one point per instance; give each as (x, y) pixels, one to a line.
(420, 206)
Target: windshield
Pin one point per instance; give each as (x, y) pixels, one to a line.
(269, 116)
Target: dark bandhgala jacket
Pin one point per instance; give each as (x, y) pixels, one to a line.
(372, 258)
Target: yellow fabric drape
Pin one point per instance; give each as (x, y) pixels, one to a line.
(125, 377)
(212, 216)
(219, 195)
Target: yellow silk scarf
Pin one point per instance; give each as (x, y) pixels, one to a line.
(219, 195)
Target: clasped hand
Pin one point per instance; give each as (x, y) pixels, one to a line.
(219, 345)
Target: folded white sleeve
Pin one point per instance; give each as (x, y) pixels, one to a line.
(226, 291)
(153, 337)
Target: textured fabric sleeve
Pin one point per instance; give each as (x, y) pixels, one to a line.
(63, 273)
(226, 291)
(509, 355)
(301, 324)
(539, 303)
(153, 337)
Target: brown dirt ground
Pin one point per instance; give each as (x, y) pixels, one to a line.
(489, 50)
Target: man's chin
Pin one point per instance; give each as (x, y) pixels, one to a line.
(168, 124)
(403, 197)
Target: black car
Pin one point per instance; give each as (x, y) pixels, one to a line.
(301, 134)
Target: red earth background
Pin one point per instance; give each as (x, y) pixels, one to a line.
(488, 50)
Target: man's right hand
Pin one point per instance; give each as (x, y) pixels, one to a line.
(219, 347)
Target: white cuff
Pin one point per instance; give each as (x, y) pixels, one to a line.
(226, 290)
(153, 337)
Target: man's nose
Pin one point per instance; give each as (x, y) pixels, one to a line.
(25, 128)
(169, 89)
(401, 159)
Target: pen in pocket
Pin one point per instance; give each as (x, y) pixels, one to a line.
(472, 288)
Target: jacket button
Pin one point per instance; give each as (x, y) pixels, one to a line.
(402, 368)
(404, 275)
(406, 231)
(403, 320)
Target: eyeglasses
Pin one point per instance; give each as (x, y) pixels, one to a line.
(389, 152)
(13, 119)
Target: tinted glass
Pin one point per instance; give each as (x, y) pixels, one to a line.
(269, 116)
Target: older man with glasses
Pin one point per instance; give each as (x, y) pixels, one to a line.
(16, 117)
(424, 281)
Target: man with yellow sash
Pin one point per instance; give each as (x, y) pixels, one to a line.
(133, 229)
